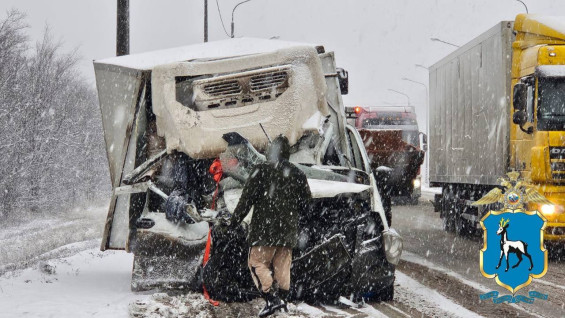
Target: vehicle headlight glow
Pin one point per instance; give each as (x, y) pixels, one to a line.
(548, 209)
(417, 183)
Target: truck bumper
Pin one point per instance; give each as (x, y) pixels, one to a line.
(555, 228)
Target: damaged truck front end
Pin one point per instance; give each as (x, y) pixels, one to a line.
(170, 116)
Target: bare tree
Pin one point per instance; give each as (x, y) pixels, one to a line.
(50, 127)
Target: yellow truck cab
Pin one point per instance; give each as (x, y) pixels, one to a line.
(538, 81)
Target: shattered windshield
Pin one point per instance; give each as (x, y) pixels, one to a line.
(411, 137)
(551, 104)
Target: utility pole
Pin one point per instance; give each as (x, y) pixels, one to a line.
(205, 20)
(122, 31)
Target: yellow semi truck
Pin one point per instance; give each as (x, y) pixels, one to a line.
(498, 104)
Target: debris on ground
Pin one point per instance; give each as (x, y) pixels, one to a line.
(47, 268)
(162, 305)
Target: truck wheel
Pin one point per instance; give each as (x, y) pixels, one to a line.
(466, 228)
(448, 223)
(461, 226)
(448, 212)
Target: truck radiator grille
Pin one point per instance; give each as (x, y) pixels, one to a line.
(223, 88)
(236, 89)
(267, 80)
(558, 166)
(555, 230)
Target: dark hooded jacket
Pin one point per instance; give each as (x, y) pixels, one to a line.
(278, 192)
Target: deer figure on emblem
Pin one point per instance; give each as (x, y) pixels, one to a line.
(506, 247)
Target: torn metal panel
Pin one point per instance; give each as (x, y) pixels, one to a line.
(120, 96)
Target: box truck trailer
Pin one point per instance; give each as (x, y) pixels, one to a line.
(497, 104)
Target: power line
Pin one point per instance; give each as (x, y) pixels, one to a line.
(220, 13)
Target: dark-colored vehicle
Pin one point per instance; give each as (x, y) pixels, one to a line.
(392, 139)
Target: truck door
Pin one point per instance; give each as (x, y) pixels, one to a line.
(360, 160)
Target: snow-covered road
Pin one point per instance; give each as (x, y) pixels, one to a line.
(77, 280)
(97, 284)
(88, 284)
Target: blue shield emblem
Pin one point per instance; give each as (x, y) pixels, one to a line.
(513, 251)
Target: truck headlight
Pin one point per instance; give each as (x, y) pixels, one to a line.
(393, 246)
(417, 183)
(548, 209)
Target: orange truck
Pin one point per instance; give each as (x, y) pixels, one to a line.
(392, 140)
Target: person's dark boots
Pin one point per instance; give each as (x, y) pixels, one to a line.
(272, 304)
(283, 296)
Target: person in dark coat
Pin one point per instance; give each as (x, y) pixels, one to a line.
(278, 192)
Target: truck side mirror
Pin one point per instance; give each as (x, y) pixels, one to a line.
(343, 78)
(424, 141)
(520, 118)
(520, 97)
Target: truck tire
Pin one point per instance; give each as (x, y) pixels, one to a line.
(448, 211)
(462, 226)
(448, 224)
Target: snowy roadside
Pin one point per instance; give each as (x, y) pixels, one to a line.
(94, 283)
(50, 236)
(89, 283)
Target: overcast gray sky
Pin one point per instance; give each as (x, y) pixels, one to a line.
(378, 42)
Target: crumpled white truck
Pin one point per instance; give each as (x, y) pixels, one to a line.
(224, 100)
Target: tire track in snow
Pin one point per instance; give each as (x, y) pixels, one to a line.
(429, 301)
(544, 282)
(472, 289)
(397, 310)
(364, 308)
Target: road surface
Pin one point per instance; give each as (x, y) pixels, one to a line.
(450, 265)
(54, 268)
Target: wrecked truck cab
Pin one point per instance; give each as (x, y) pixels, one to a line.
(180, 106)
(196, 104)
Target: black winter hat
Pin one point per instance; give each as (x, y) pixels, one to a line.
(278, 149)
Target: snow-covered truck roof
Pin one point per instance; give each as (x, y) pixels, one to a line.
(209, 50)
(550, 26)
